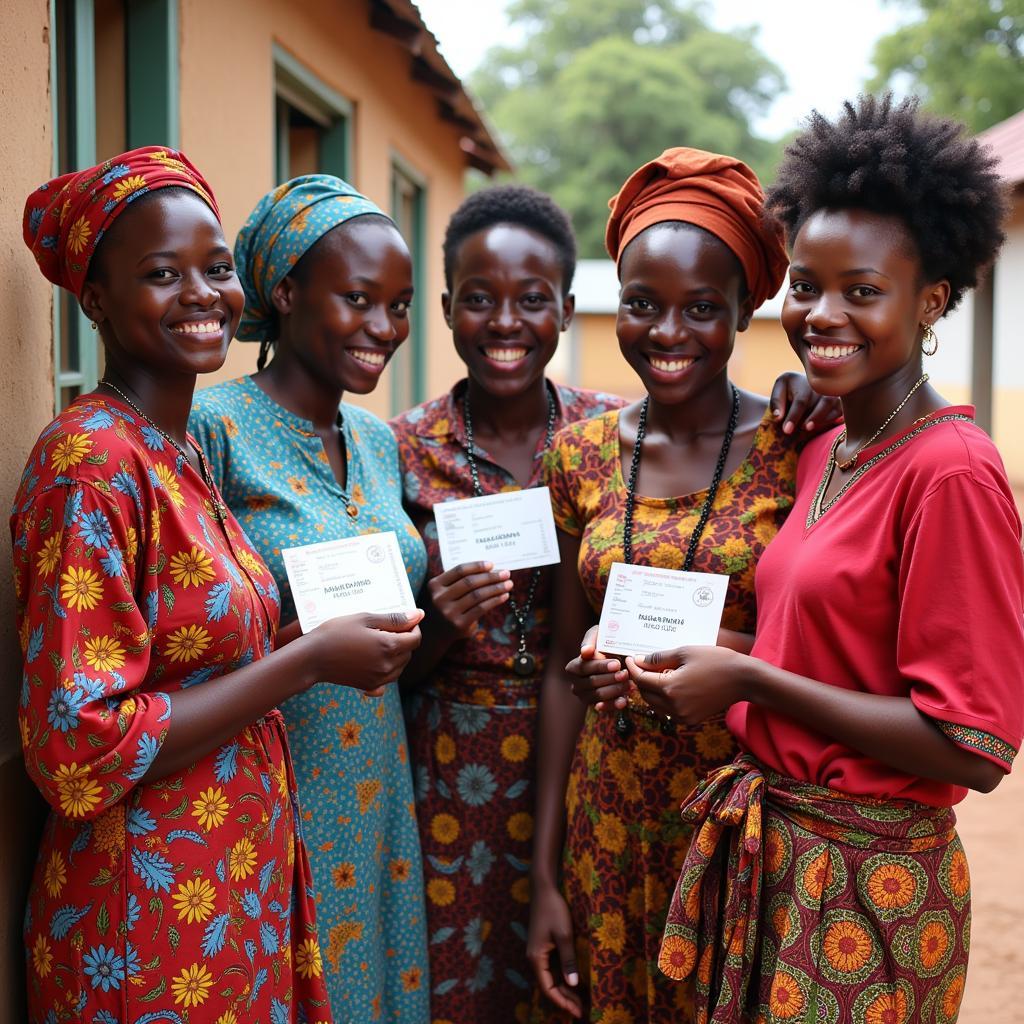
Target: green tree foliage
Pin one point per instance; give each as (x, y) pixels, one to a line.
(598, 87)
(964, 58)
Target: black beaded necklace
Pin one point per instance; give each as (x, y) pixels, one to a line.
(524, 663)
(622, 723)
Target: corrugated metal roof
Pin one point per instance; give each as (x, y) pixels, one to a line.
(1006, 140)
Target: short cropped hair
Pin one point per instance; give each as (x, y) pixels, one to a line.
(512, 204)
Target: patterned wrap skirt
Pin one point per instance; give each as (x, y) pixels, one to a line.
(472, 746)
(801, 904)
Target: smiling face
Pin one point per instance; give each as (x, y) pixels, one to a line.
(345, 309)
(856, 301)
(680, 306)
(163, 287)
(507, 307)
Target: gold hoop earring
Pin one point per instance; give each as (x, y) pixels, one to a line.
(929, 342)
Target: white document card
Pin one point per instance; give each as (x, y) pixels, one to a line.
(513, 529)
(648, 609)
(343, 577)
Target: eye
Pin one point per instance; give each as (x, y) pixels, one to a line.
(222, 269)
(358, 299)
(639, 305)
(162, 274)
(476, 299)
(864, 291)
(702, 309)
(800, 288)
(534, 299)
(401, 308)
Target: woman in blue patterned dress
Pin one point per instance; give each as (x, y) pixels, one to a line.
(328, 283)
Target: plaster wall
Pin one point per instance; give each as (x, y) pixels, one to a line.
(227, 129)
(26, 398)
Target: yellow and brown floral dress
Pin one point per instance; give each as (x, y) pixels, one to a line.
(625, 839)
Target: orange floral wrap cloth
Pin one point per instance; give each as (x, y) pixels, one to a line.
(800, 904)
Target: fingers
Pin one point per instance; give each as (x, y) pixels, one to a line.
(661, 660)
(395, 622)
(587, 692)
(588, 646)
(796, 413)
(824, 412)
(781, 396)
(468, 578)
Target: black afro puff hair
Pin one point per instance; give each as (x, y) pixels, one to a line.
(512, 204)
(888, 158)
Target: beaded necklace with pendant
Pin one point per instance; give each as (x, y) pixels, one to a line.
(524, 663)
(220, 510)
(622, 723)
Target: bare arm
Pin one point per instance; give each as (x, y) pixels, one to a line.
(454, 602)
(888, 729)
(561, 718)
(364, 650)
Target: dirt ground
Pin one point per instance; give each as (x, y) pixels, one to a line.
(991, 826)
(992, 829)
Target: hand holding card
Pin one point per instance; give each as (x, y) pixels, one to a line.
(647, 609)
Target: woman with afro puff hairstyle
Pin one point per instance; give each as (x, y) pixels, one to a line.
(826, 877)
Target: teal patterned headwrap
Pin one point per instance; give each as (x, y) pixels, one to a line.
(286, 223)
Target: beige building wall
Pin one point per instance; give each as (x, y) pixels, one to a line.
(26, 396)
(227, 129)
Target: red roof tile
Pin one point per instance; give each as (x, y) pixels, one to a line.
(1006, 140)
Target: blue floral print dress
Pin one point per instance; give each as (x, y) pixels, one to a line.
(350, 750)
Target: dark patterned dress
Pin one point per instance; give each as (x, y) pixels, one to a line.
(625, 840)
(186, 898)
(472, 728)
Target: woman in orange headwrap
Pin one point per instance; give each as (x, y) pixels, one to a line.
(696, 475)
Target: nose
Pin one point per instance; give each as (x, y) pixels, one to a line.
(669, 331)
(379, 326)
(196, 290)
(826, 311)
(504, 319)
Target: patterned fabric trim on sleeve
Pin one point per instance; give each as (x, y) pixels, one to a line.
(983, 742)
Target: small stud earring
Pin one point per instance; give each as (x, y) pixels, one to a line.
(92, 324)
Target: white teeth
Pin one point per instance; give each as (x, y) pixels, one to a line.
(369, 358)
(209, 327)
(671, 365)
(833, 351)
(505, 355)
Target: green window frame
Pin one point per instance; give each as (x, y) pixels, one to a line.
(73, 78)
(409, 212)
(151, 96)
(301, 98)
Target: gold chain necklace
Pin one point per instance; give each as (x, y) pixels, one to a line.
(852, 460)
(220, 510)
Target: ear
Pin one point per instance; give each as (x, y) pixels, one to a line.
(746, 313)
(568, 310)
(282, 295)
(934, 298)
(91, 301)
(446, 307)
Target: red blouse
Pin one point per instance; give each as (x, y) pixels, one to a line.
(910, 584)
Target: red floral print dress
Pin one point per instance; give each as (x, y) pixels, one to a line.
(472, 740)
(185, 899)
(625, 840)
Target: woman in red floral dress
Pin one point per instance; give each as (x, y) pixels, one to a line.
(172, 883)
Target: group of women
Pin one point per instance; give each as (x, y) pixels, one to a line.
(503, 840)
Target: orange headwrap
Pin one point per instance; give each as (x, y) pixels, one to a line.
(718, 193)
